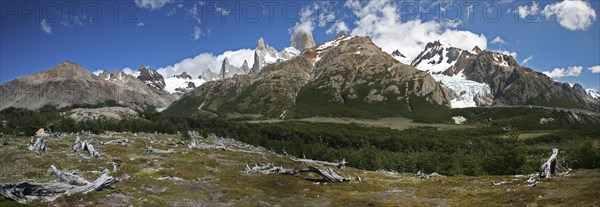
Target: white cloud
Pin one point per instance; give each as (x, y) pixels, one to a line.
(562, 72)
(338, 27)
(498, 41)
(140, 24)
(594, 69)
(45, 26)
(151, 4)
(573, 15)
(527, 60)
(197, 33)
(320, 13)
(528, 9)
(222, 11)
(381, 21)
(196, 65)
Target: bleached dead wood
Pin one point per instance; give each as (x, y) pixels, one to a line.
(193, 134)
(88, 147)
(194, 144)
(122, 141)
(151, 150)
(327, 174)
(68, 184)
(549, 167)
(340, 165)
(427, 176)
(77, 145)
(531, 182)
(38, 146)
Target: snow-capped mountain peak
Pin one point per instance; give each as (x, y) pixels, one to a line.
(438, 56)
(593, 93)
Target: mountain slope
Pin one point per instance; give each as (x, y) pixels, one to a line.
(68, 83)
(348, 73)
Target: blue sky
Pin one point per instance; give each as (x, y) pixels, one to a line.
(37, 35)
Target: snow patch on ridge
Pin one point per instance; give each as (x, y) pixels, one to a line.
(328, 45)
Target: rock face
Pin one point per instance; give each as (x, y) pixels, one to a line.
(184, 75)
(245, 67)
(344, 73)
(208, 75)
(151, 77)
(68, 83)
(265, 55)
(228, 70)
(302, 40)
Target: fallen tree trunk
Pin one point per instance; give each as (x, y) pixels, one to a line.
(340, 165)
(427, 176)
(327, 174)
(122, 141)
(70, 184)
(150, 150)
(549, 168)
(38, 146)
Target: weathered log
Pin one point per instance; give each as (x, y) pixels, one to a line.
(549, 167)
(77, 145)
(70, 184)
(70, 178)
(90, 148)
(427, 176)
(38, 146)
(271, 169)
(122, 141)
(340, 165)
(327, 174)
(150, 150)
(531, 182)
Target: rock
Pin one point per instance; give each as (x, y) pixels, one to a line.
(184, 75)
(302, 40)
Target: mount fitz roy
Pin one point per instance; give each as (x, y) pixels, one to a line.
(348, 75)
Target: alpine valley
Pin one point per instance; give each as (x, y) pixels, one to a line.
(336, 123)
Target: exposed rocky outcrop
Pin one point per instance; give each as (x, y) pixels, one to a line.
(151, 77)
(208, 75)
(184, 75)
(228, 70)
(302, 40)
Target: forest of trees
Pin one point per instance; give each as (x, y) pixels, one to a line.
(488, 150)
